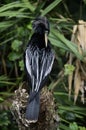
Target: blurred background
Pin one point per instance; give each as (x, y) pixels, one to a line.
(16, 18)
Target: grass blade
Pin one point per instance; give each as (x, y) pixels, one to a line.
(50, 7)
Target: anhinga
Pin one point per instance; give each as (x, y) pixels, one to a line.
(39, 58)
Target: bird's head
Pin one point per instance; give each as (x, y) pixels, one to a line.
(41, 26)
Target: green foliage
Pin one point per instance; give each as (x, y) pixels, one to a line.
(21, 65)
(16, 45)
(68, 69)
(68, 112)
(50, 7)
(15, 31)
(74, 126)
(4, 121)
(1, 99)
(4, 80)
(66, 44)
(14, 56)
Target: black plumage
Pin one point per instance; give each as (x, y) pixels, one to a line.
(39, 58)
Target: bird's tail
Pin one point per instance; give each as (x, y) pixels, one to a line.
(32, 110)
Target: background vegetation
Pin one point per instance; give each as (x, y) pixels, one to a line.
(16, 17)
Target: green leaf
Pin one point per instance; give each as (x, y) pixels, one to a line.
(50, 7)
(13, 14)
(4, 121)
(70, 45)
(64, 127)
(57, 43)
(17, 5)
(28, 5)
(21, 65)
(3, 77)
(16, 45)
(84, 1)
(7, 83)
(73, 126)
(5, 24)
(82, 128)
(14, 56)
(1, 99)
(69, 116)
(68, 69)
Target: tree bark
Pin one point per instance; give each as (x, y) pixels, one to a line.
(48, 117)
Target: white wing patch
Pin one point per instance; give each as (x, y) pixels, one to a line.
(28, 65)
(49, 66)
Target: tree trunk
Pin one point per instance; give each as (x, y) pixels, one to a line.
(48, 118)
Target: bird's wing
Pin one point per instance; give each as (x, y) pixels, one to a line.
(28, 58)
(38, 66)
(47, 61)
(30, 65)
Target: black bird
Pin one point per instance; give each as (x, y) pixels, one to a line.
(39, 58)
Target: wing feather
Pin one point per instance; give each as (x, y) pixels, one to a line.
(28, 62)
(38, 65)
(47, 63)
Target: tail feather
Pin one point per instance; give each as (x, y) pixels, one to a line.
(32, 110)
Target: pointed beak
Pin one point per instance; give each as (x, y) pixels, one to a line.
(46, 38)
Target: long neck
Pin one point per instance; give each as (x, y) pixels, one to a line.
(38, 40)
